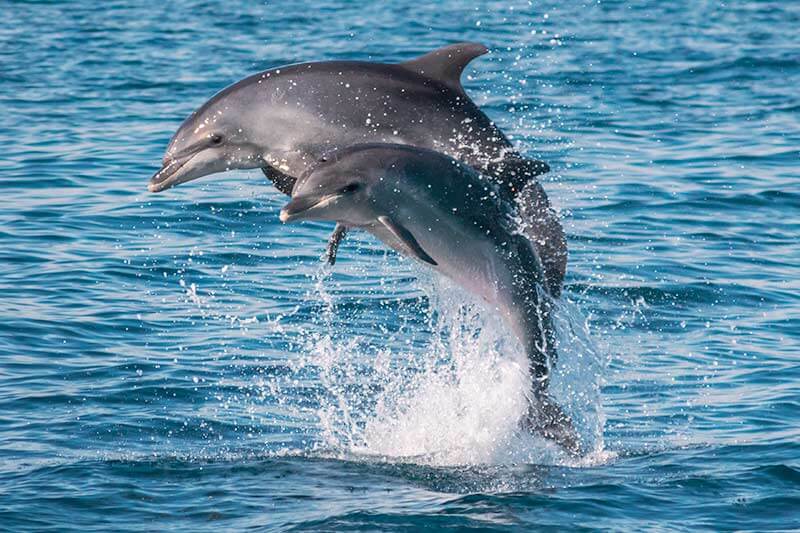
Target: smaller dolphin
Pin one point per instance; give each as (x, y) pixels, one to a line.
(441, 212)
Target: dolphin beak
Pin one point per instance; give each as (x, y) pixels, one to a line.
(302, 207)
(168, 175)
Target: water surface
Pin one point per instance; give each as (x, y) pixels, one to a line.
(184, 361)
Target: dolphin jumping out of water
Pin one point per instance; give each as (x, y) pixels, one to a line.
(442, 213)
(282, 120)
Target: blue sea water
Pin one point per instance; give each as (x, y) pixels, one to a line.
(184, 361)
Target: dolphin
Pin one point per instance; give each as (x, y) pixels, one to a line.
(282, 120)
(443, 213)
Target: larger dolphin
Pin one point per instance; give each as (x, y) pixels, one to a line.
(282, 120)
(441, 212)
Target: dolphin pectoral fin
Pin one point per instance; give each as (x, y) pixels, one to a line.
(338, 234)
(408, 241)
(546, 418)
(446, 64)
(283, 182)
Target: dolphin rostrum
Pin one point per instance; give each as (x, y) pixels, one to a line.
(282, 120)
(443, 213)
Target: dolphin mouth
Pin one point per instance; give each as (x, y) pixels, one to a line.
(299, 208)
(166, 176)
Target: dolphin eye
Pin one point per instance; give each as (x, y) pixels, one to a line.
(350, 187)
(216, 139)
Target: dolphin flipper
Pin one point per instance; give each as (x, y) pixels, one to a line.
(283, 182)
(338, 234)
(407, 240)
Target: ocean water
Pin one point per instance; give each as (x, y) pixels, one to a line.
(184, 361)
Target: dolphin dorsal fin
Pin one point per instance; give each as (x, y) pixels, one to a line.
(446, 64)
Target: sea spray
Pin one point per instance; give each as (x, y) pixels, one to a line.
(459, 397)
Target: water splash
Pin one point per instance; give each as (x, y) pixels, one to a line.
(459, 398)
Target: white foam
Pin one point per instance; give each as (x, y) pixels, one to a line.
(459, 399)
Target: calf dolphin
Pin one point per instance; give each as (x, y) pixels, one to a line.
(443, 213)
(282, 120)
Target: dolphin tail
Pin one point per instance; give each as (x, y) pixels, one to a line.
(542, 227)
(515, 171)
(517, 178)
(545, 417)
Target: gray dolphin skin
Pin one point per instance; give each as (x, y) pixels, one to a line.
(282, 120)
(444, 214)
